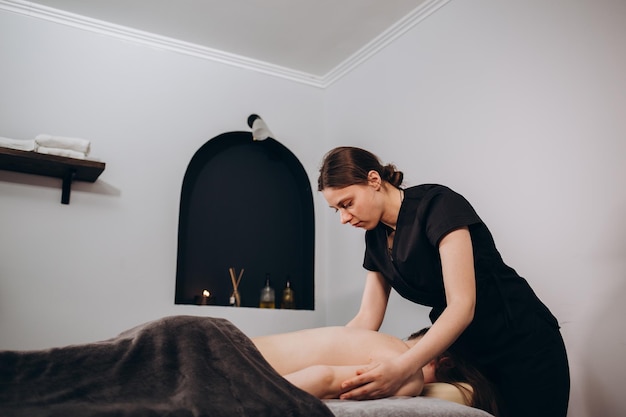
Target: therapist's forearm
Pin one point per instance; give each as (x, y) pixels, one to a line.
(373, 303)
(362, 321)
(442, 334)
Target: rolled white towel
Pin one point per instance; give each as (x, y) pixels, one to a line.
(60, 152)
(20, 144)
(61, 142)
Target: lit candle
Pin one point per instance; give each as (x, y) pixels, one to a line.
(204, 298)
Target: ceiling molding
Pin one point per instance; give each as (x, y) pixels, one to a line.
(38, 11)
(394, 32)
(31, 9)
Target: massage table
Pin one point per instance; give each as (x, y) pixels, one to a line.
(179, 366)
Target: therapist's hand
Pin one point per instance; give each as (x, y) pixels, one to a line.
(378, 380)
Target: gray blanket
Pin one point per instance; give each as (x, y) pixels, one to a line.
(177, 367)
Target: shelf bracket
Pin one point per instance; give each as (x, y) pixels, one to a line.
(67, 186)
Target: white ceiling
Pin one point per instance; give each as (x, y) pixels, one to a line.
(308, 36)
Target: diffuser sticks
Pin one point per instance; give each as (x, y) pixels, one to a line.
(235, 298)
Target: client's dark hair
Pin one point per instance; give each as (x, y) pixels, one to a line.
(452, 368)
(346, 165)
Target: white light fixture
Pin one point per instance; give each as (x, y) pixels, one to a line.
(260, 131)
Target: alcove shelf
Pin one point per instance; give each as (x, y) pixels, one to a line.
(68, 169)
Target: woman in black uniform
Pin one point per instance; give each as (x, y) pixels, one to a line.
(428, 244)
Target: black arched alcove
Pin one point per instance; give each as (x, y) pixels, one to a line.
(245, 204)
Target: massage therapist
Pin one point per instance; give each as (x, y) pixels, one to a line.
(428, 243)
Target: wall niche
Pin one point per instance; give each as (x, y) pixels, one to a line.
(248, 205)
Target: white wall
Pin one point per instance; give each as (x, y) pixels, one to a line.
(517, 105)
(107, 261)
(520, 106)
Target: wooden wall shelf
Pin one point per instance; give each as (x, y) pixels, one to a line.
(68, 169)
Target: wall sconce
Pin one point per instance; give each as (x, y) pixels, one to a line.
(260, 131)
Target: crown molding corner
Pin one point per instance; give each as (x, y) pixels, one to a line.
(34, 10)
(387, 37)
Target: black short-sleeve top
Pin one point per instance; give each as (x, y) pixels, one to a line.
(413, 267)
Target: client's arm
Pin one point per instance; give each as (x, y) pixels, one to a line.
(324, 381)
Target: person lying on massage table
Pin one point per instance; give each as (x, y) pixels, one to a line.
(319, 360)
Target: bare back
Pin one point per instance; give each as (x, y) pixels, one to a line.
(341, 346)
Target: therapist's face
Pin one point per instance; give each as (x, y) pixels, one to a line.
(357, 205)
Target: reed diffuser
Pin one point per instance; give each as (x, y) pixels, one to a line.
(235, 298)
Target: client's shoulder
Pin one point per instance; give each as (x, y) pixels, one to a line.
(459, 393)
